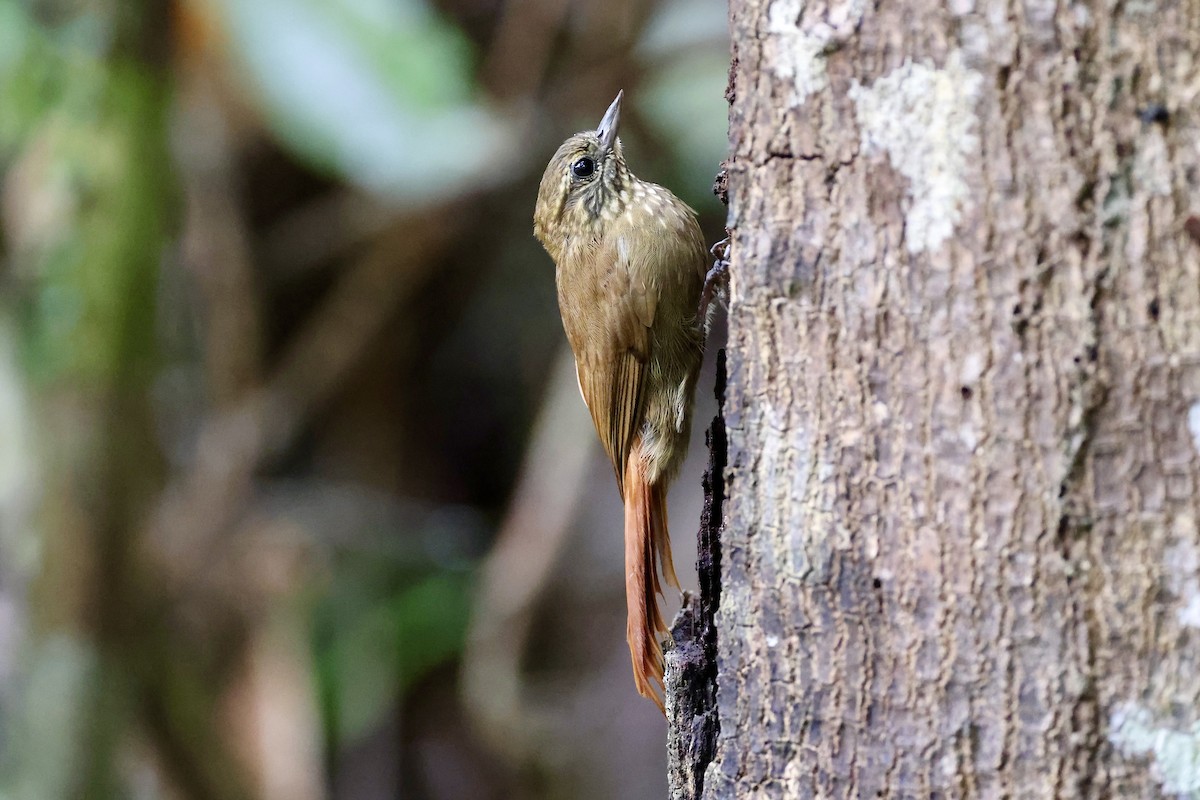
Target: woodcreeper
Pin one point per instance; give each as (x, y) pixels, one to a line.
(630, 269)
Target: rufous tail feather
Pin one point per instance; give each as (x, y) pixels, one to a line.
(647, 548)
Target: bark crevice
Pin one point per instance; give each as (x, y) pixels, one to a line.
(691, 663)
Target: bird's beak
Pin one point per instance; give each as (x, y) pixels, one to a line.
(607, 131)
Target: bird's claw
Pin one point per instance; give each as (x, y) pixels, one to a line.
(716, 279)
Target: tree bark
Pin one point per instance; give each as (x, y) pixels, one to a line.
(960, 555)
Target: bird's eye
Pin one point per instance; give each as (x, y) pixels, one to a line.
(583, 167)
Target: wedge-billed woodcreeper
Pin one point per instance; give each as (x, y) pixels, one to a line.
(630, 268)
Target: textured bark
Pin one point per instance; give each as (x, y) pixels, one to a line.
(960, 555)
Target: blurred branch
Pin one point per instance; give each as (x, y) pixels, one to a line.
(525, 34)
(346, 518)
(234, 443)
(216, 244)
(361, 304)
(520, 565)
(273, 711)
(322, 230)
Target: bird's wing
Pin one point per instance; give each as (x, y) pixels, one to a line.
(612, 365)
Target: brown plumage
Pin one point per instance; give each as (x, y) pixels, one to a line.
(630, 265)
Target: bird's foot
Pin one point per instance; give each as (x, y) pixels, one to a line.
(716, 282)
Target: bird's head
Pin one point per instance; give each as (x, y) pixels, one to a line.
(584, 183)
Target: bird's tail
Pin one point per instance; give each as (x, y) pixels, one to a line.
(647, 549)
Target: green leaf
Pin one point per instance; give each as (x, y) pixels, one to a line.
(378, 92)
(378, 649)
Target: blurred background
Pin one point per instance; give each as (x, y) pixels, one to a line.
(297, 495)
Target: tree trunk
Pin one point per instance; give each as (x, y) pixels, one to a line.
(960, 553)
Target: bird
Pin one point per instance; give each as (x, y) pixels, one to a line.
(630, 267)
